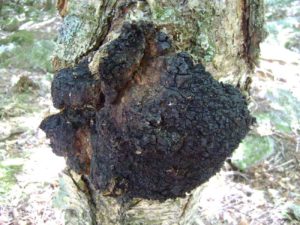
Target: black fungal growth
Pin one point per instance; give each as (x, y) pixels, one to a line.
(169, 131)
(76, 88)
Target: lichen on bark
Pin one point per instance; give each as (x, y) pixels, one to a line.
(85, 26)
(222, 35)
(215, 33)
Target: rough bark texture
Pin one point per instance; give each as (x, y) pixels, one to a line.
(132, 107)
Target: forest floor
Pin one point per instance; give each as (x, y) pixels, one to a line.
(260, 184)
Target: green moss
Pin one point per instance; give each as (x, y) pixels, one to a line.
(40, 55)
(18, 104)
(9, 9)
(35, 56)
(32, 10)
(286, 112)
(10, 24)
(165, 14)
(8, 171)
(21, 37)
(252, 150)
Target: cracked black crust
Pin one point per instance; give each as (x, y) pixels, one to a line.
(122, 58)
(76, 88)
(62, 129)
(170, 130)
(172, 140)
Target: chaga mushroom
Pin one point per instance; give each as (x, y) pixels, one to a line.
(148, 123)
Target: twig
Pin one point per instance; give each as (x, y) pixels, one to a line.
(186, 206)
(233, 173)
(282, 165)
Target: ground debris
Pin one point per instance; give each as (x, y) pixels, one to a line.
(25, 84)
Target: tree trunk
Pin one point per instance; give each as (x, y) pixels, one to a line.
(222, 35)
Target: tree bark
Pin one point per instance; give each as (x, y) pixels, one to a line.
(222, 35)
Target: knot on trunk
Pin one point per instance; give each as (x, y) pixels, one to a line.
(143, 121)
